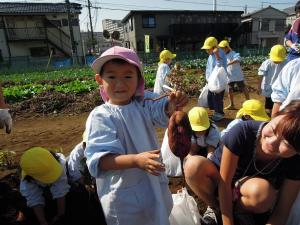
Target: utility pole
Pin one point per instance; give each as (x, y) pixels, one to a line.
(73, 45)
(91, 25)
(245, 10)
(215, 5)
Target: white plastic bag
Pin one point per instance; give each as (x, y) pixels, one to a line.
(217, 80)
(202, 100)
(185, 210)
(172, 163)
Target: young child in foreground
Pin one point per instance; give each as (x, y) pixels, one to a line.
(122, 148)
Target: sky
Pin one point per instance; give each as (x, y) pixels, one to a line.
(117, 9)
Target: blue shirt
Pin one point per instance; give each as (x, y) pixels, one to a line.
(294, 38)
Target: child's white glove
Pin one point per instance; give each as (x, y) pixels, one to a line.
(295, 46)
(5, 120)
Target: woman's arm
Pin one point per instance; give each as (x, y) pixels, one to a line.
(288, 194)
(227, 169)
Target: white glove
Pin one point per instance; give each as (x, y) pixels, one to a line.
(5, 120)
(295, 46)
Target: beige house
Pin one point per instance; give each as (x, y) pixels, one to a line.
(33, 30)
(178, 30)
(263, 28)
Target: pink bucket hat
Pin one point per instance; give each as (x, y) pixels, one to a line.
(126, 54)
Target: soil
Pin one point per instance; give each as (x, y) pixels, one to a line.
(62, 131)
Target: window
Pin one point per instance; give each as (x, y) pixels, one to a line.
(74, 22)
(39, 51)
(279, 25)
(65, 22)
(130, 24)
(53, 23)
(264, 25)
(149, 21)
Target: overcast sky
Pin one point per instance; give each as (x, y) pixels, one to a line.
(117, 9)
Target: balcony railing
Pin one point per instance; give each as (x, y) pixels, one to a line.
(33, 33)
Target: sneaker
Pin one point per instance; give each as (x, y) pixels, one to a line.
(230, 107)
(210, 217)
(217, 117)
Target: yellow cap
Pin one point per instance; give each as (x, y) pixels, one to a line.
(209, 43)
(278, 53)
(199, 119)
(255, 109)
(166, 55)
(224, 44)
(41, 165)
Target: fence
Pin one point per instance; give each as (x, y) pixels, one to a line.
(40, 63)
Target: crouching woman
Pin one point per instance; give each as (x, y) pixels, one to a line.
(255, 171)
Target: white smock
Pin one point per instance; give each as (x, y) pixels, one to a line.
(33, 190)
(270, 71)
(128, 196)
(234, 70)
(161, 78)
(286, 87)
(75, 166)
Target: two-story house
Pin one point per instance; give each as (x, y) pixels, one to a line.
(264, 27)
(33, 30)
(183, 30)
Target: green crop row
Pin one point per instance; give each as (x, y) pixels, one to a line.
(22, 92)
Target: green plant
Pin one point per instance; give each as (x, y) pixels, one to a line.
(8, 159)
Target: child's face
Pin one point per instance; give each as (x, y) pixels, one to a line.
(210, 51)
(119, 81)
(200, 133)
(225, 49)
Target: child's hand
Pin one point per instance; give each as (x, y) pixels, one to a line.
(177, 100)
(148, 161)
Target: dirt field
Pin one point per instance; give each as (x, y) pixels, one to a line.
(64, 131)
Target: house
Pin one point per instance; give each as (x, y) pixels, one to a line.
(264, 27)
(36, 30)
(183, 30)
(113, 26)
(101, 44)
(291, 15)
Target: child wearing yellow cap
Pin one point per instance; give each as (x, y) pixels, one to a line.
(216, 58)
(235, 73)
(268, 73)
(206, 135)
(165, 59)
(41, 169)
(252, 110)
